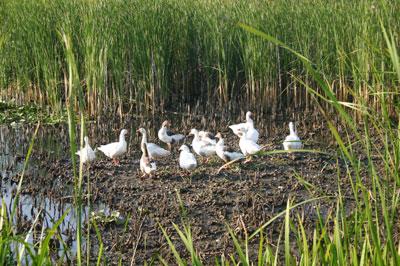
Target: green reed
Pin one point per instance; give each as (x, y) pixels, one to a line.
(151, 53)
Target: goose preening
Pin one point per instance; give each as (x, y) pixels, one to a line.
(247, 127)
(225, 153)
(147, 165)
(202, 147)
(187, 160)
(86, 154)
(115, 149)
(292, 141)
(155, 151)
(167, 136)
(247, 146)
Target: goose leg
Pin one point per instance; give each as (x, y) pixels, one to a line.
(248, 159)
(169, 146)
(225, 166)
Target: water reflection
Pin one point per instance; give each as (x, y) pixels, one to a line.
(51, 145)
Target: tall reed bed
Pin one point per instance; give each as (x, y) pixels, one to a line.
(169, 53)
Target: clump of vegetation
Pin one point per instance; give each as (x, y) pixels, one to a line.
(101, 217)
(11, 114)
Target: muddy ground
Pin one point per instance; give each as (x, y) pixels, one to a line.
(243, 197)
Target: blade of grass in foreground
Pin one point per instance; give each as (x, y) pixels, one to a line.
(73, 87)
(187, 239)
(172, 247)
(288, 256)
(244, 260)
(28, 155)
(43, 252)
(284, 212)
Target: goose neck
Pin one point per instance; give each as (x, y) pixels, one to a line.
(144, 138)
(220, 142)
(291, 128)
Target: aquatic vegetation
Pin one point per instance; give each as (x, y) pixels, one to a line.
(31, 114)
(100, 217)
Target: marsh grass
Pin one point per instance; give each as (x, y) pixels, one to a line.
(148, 55)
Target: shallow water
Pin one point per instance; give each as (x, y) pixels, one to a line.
(51, 144)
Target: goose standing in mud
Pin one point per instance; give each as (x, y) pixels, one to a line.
(247, 127)
(247, 146)
(167, 136)
(147, 165)
(187, 160)
(225, 153)
(155, 151)
(200, 146)
(115, 149)
(86, 154)
(292, 141)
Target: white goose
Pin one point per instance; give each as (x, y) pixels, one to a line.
(147, 166)
(167, 136)
(207, 137)
(201, 147)
(292, 141)
(115, 149)
(86, 154)
(187, 160)
(247, 127)
(155, 151)
(225, 153)
(247, 146)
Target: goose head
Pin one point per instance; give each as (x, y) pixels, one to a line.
(123, 133)
(249, 116)
(165, 123)
(184, 148)
(86, 140)
(141, 131)
(194, 132)
(219, 135)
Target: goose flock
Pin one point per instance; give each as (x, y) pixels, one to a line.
(204, 144)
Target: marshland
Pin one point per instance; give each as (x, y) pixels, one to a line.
(70, 69)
